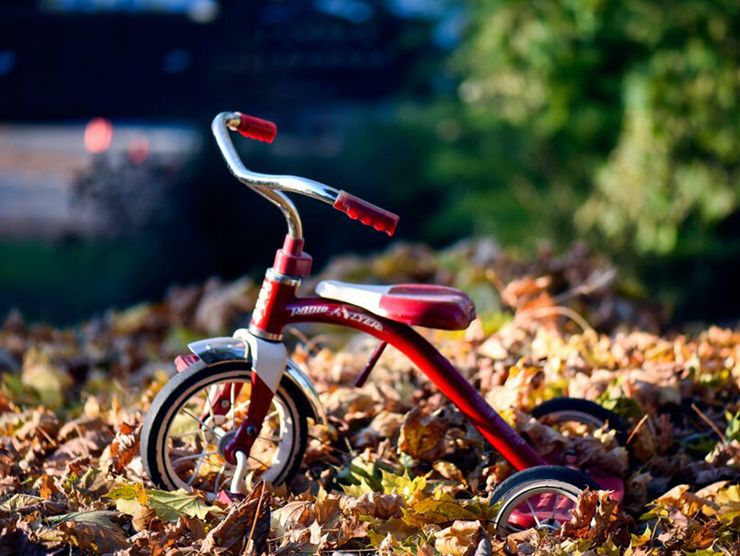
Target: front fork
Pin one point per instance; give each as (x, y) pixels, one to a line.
(269, 360)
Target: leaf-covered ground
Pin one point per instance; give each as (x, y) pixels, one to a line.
(397, 470)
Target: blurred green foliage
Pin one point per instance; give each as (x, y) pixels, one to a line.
(614, 120)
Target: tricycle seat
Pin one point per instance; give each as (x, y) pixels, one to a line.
(423, 305)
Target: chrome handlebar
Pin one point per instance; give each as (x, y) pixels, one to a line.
(271, 187)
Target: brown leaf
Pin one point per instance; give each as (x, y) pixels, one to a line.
(423, 437)
(46, 486)
(580, 522)
(449, 471)
(251, 515)
(523, 543)
(298, 513)
(9, 485)
(124, 447)
(519, 293)
(41, 429)
(380, 506)
(146, 518)
(588, 451)
(385, 425)
(595, 516)
(92, 443)
(94, 531)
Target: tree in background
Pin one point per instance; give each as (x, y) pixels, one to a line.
(614, 119)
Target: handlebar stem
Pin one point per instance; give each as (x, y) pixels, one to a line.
(269, 186)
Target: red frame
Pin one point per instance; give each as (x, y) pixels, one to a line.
(432, 363)
(278, 306)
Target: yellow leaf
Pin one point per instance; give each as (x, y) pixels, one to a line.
(641, 539)
(47, 379)
(731, 494)
(442, 508)
(168, 505)
(403, 484)
(673, 496)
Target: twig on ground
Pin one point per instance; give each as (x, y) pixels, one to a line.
(709, 422)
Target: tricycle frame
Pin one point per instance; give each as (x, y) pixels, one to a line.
(279, 306)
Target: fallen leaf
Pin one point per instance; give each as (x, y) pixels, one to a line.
(92, 530)
(422, 436)
(459, 539)
(248, 519)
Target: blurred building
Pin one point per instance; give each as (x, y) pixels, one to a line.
(159, 69)
(62, 59)
(109, 101)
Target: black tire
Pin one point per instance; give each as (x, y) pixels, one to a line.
(189, 382)
(559, 410)
(553, 479)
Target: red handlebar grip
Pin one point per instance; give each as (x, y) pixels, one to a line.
(257, 128)
(367, 213)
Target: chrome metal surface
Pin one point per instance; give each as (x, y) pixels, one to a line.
(237, 481)
(217, 350)
(265, 335)
(282, 278)
(267, 185)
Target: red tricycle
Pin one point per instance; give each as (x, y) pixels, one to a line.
(239, 406)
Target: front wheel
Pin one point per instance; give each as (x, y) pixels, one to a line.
(184, 436)
(542, 497)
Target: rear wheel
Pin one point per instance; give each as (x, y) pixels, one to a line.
(578, 417)
(184, 435)
(542, 497)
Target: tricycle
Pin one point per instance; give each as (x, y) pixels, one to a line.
(240, 407)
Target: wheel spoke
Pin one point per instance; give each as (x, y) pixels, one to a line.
(554, 508)
(215, 483)
(233, 412)
(195, 473)
(191, 433)
(195, 456)
(203, 428)
(189, 414)
(190, 457)
(262, 463)
(271, 438)
(207, 392)
(534, 514)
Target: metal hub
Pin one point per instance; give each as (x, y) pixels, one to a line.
(549, 524)
(224, 441)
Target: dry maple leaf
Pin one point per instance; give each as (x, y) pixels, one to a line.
(380, 506)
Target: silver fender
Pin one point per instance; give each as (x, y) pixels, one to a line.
(219, 350)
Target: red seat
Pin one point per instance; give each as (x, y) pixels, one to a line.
(414, 304)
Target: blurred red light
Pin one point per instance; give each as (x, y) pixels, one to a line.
(98, 135)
